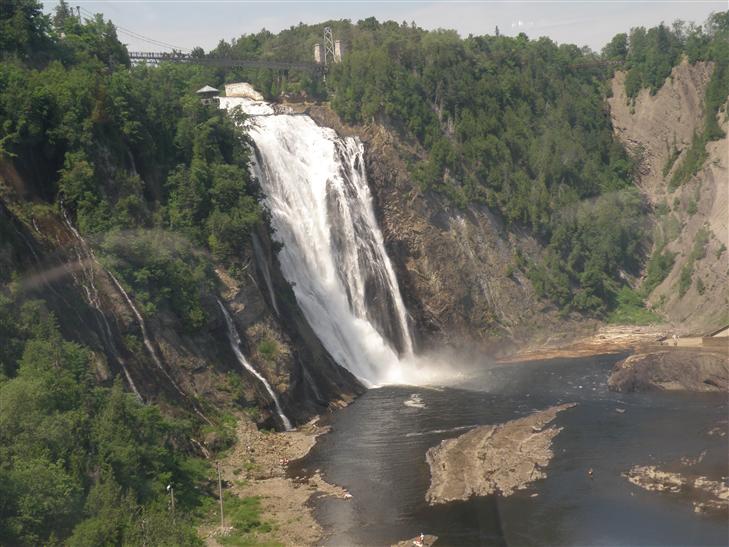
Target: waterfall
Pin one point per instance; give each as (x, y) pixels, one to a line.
(150, 347)
(234, 340)
(145, 336)
(86, 261)
(333, 251)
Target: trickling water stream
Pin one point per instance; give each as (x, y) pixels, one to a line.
(145, 336)
(86, 262)
(333, 251)
(234, 340)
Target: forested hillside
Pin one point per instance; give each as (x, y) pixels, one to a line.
(519, 125)
(123, 151)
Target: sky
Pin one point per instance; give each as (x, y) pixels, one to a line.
(190, 23)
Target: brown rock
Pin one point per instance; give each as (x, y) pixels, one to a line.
(674, 370)
(494, 458)
(705, 494)
(427, 541)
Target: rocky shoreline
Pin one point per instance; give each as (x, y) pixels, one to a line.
(257, 467)
(608, 339)
(673, 369)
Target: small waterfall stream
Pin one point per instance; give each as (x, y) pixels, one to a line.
(333, 250)
(86, 261)
(234, 340)
(145, 335)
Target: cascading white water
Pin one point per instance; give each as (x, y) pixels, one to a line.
(234, 340)
(333, 251)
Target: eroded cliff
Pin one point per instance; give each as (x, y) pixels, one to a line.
(691, 221)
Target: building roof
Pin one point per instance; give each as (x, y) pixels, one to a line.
(207, 89)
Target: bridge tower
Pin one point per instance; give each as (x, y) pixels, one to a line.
(330, 52)
(329, 56)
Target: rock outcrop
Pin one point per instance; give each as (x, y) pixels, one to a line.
(672, 370)
(706, 495)
(426, 541)
(493, 458)
(658, 131)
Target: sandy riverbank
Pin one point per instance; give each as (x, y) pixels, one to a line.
(256, 466)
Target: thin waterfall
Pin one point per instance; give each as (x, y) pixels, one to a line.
(150, 347)
(86, 261)
(333, 252)
(234, 340)
(145, 336)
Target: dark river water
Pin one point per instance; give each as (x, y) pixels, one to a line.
(377, 447)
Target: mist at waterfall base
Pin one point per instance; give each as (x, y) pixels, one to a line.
(376, 450)
(333, 253)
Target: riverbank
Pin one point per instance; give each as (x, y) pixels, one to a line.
(672, 369)
(256, 467)
(607, 339)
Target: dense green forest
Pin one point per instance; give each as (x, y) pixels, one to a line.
(519, 125)
(81, 463)
(158, 182)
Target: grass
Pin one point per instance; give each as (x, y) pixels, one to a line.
(659, 266)
(269, 349)
(684, 282)
(631, 310)
(697, 253)
(671, 159)
(244, 516)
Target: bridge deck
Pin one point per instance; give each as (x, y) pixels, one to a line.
(157, 57)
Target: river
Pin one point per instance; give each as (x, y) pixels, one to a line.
(377, 451)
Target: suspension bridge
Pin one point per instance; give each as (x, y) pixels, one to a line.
(155, 57)
(184, 55)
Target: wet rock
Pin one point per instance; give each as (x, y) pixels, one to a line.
(706, 495)
(495, 458)
(426, 540)
(673, 370)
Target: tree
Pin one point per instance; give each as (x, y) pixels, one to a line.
(617, 48)
(23, 28)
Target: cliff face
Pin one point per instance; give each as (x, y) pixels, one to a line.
(657, 129)
(457, 269)
(158, 357)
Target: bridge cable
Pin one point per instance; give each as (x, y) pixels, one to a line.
(136, 35)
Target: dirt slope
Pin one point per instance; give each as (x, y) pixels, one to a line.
(651, 127)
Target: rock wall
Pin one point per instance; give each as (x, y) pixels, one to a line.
(456, 268)
(651, 126)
